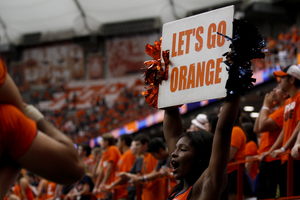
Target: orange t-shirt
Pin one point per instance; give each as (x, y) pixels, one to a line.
(238, 139)
(152, 189)
(51, 190)
(124, 165)
(251, 150)
(3, 72)
(29, 194)
(90, 163)
(17, 190)
(291, 118)
(269, 138)
(111, 155)
(182, 196)
(17, 131)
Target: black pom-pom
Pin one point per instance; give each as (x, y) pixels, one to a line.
(247, 44)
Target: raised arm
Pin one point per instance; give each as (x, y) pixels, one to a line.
(172, 128)
(222, 138)
(263, 123)
(213, 181)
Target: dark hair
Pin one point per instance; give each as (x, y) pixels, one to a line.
(143, 138)
(238, 118)
(251, 136)
(155, 144)
(109, 137)
(127, 138)
(202, 141)
(297, 81)
(212, 119)
(245, 118)
(30, 174)
(86, 148)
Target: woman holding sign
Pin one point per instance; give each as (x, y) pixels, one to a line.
(200, 159)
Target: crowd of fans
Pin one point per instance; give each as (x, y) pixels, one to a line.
(84, 124)
(115, 169)
(102, 117)
(109, 169)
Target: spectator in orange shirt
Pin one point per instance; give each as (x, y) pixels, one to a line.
(124, 165)
(237, 153)
(150, 189)
(51, 191)
(144, 166)
(290, 83)
(108, 164)
(158, 150)
(22, 188)
(251, 150)
(269, 122)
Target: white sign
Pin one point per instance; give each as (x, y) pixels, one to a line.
(196, 70)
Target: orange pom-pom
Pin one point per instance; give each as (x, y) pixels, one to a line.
(155, 73)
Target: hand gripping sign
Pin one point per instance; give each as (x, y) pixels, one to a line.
(196, 69)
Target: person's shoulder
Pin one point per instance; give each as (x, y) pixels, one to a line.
(8, 107)
(297, 94)
(128, 154)
(148, 156)
(86, 178)
(296, 98)
(278, 113)
(237, 129)
(113, 151)
(279, 110)
(113, 148)
(11, 115)
(251, 144)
